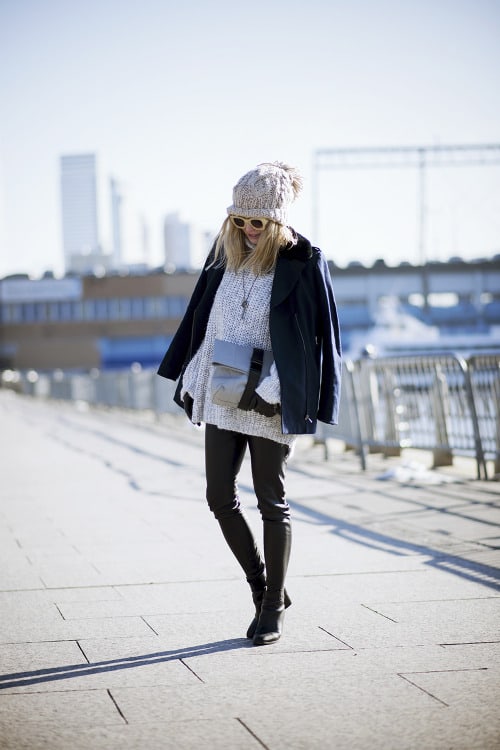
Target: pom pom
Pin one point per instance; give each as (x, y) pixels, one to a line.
(293, 174)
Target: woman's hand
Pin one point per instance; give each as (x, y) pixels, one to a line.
(188, 402)
(260, 406)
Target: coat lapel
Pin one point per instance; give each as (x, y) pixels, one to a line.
(285, 278)
(289, 267)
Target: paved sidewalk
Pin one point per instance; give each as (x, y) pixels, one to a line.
(123, 613)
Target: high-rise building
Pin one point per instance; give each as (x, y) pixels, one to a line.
(79, 208)
(185, 244)
(116, 221)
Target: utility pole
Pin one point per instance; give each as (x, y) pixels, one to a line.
(415, 157)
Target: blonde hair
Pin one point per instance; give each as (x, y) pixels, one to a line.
(232, 251)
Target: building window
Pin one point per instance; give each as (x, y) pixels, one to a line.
(12, 313)
(176, 306)
(151, 307)
(124, 308)
(40, 312)
(114, 309)
(162, 307)
(53, 311)
(89, 310)
(137, 308)
(65, 311)
(101, 309)
(29, 313)
(76, 310)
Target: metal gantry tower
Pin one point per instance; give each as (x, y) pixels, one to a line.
(419, 158)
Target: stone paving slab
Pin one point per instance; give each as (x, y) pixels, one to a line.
(19, 658)
(146, 670)
(15, 628)
(81, 707)
(213, 733)
(122, 614)
(419, 623)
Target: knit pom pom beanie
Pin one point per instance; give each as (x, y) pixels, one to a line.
(266, 192)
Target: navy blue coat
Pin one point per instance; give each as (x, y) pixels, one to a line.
(305, 336)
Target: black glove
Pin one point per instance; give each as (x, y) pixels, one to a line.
(188, 407)
(258, 404)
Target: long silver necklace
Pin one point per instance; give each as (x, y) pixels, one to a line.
(246, 297)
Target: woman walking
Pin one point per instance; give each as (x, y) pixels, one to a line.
(265, 299)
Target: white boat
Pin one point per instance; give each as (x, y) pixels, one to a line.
(397, 332)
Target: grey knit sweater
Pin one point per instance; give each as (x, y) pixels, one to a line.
(229, 321)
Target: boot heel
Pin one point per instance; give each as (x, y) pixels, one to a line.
(257, 599)
(270, 626)
(272, 615)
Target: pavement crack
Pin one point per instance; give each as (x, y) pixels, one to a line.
(335, 636)
(191, 670)
(59, 610)
(83, 652)
(438, 671)
(117, 706)
(245, 726)
(378, 613)
(149, 626)
(423, 690)
(467, 643)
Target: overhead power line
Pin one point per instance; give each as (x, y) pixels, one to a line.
(416, 157)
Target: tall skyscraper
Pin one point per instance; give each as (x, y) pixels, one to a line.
(79, 207)
(116, 221)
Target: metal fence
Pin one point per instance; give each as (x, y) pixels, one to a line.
(439, 403)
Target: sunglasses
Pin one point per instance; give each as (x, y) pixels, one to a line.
(241, 222)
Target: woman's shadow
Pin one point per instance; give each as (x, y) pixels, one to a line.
(21, 679)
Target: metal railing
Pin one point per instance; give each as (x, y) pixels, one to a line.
(438, 403)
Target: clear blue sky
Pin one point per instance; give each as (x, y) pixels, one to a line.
(179, 99)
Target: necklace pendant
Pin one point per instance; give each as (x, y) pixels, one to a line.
(244, 306)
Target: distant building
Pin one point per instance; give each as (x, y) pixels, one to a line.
(185, 244)
(79, 323)
(80, 225)
(116, 198)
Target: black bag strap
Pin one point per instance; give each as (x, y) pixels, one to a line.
(253, 378)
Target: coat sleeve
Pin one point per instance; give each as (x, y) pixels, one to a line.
(177, 353)
(331, 351)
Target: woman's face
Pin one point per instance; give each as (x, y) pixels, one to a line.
(252, 234)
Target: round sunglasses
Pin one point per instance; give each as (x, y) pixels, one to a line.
(241, 222)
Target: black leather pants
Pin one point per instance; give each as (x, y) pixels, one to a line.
(224, 452)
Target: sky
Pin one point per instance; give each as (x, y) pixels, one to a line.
(178, 100)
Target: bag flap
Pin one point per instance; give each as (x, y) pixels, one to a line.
(232, 355)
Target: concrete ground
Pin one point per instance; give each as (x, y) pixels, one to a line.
(123, 614)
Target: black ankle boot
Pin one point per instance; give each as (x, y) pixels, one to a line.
(257, 597)
(272, 614)
(258, 586)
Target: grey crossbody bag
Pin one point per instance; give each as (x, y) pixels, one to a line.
(237, 371)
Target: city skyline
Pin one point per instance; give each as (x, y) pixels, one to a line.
(178, 102)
